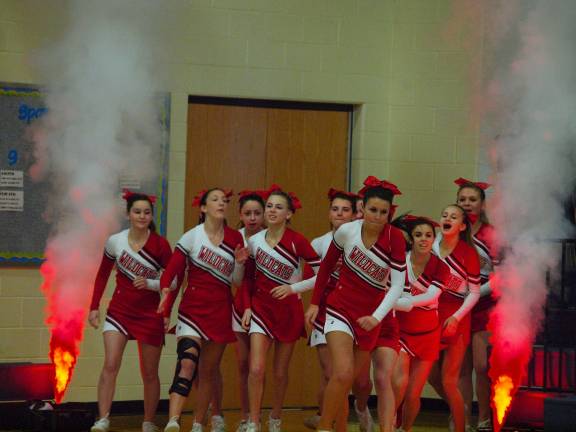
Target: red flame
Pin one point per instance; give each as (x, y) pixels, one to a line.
(511, 348)
(64, 362)
(506, 373)
(66, 322)
(72, 258)
(502, 397)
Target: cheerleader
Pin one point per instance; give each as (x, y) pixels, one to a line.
(139, 255)
(371, 280)
(471, 197)
(214, 255)
(454, 246)
(252, 221)
(342, 210)
(384, 358)
(274, 315)
(417, 316)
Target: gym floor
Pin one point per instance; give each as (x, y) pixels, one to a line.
(292, 421)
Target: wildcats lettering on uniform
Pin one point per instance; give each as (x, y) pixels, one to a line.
(216, 261)
(367, 265)
(453, 284)
(135, 267)
(274, 266)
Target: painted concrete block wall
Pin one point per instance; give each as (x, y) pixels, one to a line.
(388, 57)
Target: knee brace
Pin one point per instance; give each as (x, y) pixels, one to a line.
(182, 385)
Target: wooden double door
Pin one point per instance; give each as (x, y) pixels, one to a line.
(301, 147)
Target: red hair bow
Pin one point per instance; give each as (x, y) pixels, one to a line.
(273, 188)
(296, 204)
(127, 193)
(261, 193)
(465, 182)
(372, 181)
(333, 192)
(198, 197)
(412, 218)
(295, 201)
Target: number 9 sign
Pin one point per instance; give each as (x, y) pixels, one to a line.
(12, 157)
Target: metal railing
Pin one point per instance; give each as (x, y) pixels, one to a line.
(552, 367)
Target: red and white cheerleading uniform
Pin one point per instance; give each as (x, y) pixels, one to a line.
(462, 288)
(420, 328)
(370, 282)
(484, 242)
(132, 311)
(321, 245)
(269, 267)
(389, 336)
(238, 307)
(205, 310)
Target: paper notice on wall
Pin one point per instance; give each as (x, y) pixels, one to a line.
(11, 178)
(11, 200)
(131, 182)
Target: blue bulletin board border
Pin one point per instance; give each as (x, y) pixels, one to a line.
(161, 190)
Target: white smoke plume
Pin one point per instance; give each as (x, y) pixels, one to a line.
(102, 123)
(533, 95)
(523, 90)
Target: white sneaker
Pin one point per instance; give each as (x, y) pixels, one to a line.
(149, 427)
(242, 426)
(173, 425)
(252, 427)
(218, 424)
(101, 425)
(274, 425)
(312, 421)
(364, 419)
(196, 427)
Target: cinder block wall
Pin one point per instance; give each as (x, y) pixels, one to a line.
(388, 57)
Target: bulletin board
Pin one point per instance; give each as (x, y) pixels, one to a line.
(23, 229)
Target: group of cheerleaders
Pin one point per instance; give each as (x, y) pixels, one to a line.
(411, 294)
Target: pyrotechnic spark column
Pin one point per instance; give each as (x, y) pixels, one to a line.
(526, 98)
(102, 122)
